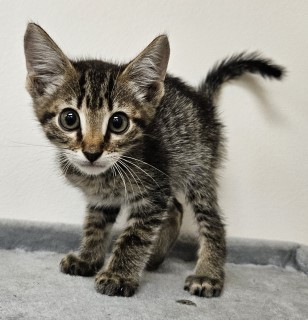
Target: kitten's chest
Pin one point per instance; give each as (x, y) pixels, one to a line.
(101, 190)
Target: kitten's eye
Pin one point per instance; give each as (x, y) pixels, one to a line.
(69, 119)
(118, 122)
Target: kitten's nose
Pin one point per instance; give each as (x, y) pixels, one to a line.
(92, 156)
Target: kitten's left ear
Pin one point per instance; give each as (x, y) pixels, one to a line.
(146, 73)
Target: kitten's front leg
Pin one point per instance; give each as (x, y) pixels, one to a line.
(90, 259)
(132, 250)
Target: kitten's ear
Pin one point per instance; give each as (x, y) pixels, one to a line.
(146, 73)
(46, 63)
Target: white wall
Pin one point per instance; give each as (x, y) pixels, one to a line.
(264, 190)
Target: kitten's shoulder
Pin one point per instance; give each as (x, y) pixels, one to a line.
(175, 85)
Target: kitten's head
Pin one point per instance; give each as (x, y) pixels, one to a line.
(93, 111)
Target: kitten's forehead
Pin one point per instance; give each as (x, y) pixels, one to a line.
(96, 84)
(102, 93)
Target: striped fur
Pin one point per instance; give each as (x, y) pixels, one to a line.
(172, 143)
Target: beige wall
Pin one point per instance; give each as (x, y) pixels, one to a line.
(264, 190)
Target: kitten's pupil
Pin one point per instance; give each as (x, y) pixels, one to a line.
(117, 122)
(70, 118)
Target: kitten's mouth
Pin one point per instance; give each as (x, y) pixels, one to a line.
(92, 165)
(92, 168)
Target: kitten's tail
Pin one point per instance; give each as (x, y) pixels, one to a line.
(234, 67)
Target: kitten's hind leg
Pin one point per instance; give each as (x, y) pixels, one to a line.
(208, 279)
(90, 259)
(167, 236)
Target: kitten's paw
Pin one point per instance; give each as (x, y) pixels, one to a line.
(203, 286)
(75, 266)
(114, 285)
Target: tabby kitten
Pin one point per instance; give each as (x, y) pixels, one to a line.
(133, 136)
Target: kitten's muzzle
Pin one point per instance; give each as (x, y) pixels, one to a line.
(92, 156)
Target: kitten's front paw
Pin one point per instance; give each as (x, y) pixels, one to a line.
(114, 285)
(203, 286)
(75, 266)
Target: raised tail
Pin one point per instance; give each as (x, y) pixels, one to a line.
(234, 67)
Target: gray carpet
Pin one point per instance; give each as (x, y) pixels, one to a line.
(269, 283)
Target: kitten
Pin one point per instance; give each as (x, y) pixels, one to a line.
(134, 136)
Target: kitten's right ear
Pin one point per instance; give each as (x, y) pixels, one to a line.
(46, 63)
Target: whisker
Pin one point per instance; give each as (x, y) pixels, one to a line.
(114, 174)
(123, 171)
(25, 144)
(66, 165)
(146, 164)
(133, 175)
(141, 170)
(117, 168)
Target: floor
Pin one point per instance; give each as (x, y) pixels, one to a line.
(31, 287)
